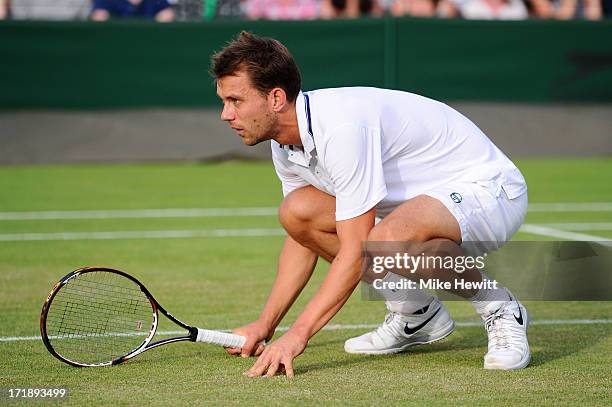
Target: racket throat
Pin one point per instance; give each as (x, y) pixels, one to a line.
(118, 361)
(193, 334)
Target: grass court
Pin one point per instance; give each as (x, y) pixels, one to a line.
(213, 269)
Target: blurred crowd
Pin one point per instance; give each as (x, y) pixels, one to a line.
(194, 10)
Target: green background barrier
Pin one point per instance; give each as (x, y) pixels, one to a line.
(78, 65)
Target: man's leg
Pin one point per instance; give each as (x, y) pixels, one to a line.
(308, 216)
(486, 218)
(417, 318)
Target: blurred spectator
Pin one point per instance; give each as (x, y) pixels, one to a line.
(539, 8)
(49, 9)
(606, 8)
(228, 8)
(569, 9)
(281, 9)
(160, 10)
(196, 10)
(592, 9)
(415, 8)
(566, 9)
(188, 10)
(484, 9)
(350, 8)
(3, 9)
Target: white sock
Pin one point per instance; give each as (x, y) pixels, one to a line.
(489, 300)
(404, 301)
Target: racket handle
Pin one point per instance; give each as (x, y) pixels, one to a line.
(220, 338)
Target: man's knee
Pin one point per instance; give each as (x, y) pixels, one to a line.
(304, 206)
(294, 208)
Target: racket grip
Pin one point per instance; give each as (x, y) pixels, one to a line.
(220, 338)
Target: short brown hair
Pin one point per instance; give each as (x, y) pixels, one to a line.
(268, 63)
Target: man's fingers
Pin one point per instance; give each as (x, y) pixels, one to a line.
(288, 364)
(247, 348)
(233, 351)
(260, 349)
(273, 368)
(257, 370)
(273, 360)
(260, 366)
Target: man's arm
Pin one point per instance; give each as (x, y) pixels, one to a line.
(343, 277)
(295, 266)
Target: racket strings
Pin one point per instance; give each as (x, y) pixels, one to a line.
(105, 334)
(97, 317)
(73, 304)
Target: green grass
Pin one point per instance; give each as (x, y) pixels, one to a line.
(222, 283)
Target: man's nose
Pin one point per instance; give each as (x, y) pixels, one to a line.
(227, 114)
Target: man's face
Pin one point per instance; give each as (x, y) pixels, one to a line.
(245, 109)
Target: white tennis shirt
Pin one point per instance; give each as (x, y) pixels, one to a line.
(372, 147)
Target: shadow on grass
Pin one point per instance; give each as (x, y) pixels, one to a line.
(332, 364)
(453, 343)
(548, 343)
(553, 342)
(458, 340)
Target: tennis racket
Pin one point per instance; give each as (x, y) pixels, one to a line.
(98, 316)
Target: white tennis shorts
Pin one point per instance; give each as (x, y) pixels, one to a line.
(488, 218)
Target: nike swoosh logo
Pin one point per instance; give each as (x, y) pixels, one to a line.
(411, 331)
(519, 319)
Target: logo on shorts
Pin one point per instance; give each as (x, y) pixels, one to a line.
(456, 197)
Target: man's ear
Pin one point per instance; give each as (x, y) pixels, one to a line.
(277, 98)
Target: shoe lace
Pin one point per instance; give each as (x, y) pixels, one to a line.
(494, 325)
(387, 328)
(502, 331)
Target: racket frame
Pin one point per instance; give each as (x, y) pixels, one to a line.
(192, 332)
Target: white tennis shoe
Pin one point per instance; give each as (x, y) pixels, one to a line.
(401, 331)
(507, 331)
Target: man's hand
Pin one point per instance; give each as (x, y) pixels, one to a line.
(255, 333)
(278, 356)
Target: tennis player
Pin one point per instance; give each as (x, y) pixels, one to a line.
(366, 164)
